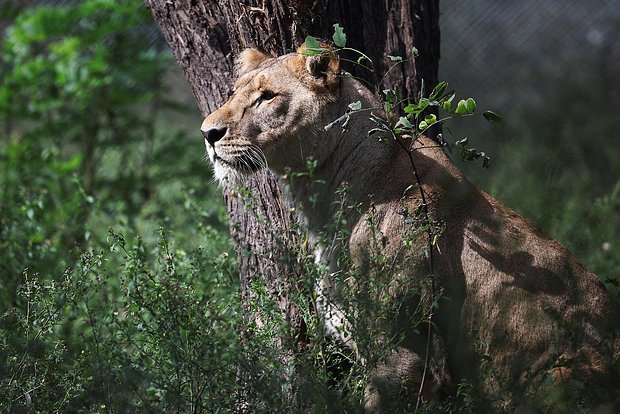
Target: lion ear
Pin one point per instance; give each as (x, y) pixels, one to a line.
(324, 66)
(249, 60)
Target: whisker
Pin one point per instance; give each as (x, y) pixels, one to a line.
(239, 161)
(256, 157)
(261, 158)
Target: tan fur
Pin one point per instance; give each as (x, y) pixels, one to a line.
(516, 302)
(249, 60)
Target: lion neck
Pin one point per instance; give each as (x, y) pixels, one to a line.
(351, 168)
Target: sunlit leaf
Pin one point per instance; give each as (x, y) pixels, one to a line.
(312, 46)
(404, 122)
(409, 109)
(438, 90)
(340, 39)
(423, 104)
(461, 108)
(430, 119)
(471, 105)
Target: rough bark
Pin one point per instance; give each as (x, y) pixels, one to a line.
(205, 36)
(388, 27)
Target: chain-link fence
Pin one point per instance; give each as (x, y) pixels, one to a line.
(511, 54)
(504, 52)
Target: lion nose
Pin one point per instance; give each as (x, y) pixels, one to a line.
(213, 135)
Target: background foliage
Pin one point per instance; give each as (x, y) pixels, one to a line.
(99, 309)
(119, 289)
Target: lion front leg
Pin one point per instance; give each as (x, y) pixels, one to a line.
(336, 323)
(396, 383)
(404, 378)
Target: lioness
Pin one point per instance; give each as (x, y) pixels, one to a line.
(515, 301)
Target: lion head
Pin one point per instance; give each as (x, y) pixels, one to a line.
(269, 119)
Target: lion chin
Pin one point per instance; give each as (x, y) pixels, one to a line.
(230, 176)
(516, 307)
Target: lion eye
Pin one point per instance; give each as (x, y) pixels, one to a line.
(267, 96)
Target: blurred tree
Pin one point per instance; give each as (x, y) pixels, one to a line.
(205, 37)
(79, 87)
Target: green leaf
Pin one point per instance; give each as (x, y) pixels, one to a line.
(430, 119)
(340, 39)
(395, 58)
(409, 109)
(461, 108)
(471, 105)
(312, 46)
(492, 117)
(423, 104)
(37, 237)
(438, 90)
(355, 106)
(415, 51)
(423, 125)
(417, 108)
(70, 165)
(447, 106)
(390, 95)
(404, 122)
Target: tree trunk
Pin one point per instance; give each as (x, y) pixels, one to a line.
(206, 35)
